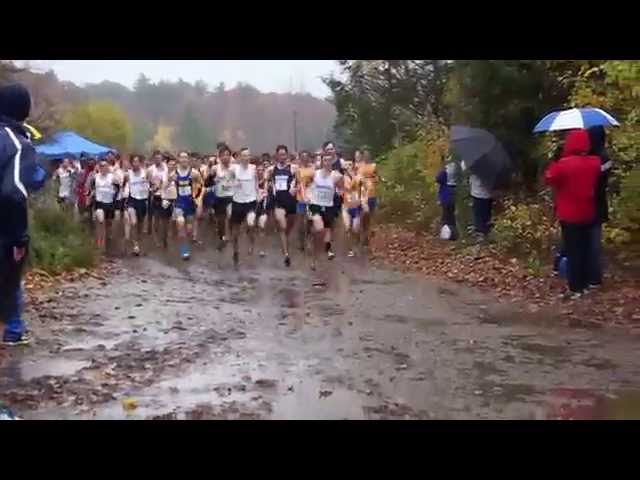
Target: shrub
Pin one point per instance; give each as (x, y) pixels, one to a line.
(525, 228)
(408, 190)
(58, 242)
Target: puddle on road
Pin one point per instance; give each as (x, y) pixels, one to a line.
(56, 367)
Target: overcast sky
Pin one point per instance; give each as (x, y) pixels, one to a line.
(266, 75)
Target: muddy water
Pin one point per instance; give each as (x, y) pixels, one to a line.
(202, 340)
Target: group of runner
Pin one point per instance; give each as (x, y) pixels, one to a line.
(238, 191)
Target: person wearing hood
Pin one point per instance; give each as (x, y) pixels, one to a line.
(597, 137)
(20, 174)
(573, 178)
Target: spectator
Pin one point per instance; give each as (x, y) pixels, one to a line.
(19, 156)
(482, 206)
(446, 180)
(574, 179)
(597, 138)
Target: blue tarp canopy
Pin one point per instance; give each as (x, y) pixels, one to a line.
(70, 144)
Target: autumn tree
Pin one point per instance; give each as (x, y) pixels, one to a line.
(191, 133)
(102, 122)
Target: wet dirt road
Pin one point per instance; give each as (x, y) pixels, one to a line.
(200, 340)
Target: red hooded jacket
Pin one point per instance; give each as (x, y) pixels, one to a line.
(574, 178)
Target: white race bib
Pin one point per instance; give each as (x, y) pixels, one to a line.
(184, 191)
(282, 183)
(323, 196)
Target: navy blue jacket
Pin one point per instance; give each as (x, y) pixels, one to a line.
(20, 174)
(446, 192)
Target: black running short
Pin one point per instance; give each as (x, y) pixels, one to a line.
(118, 205)
(140, 207)
(156, 205)
(108, 209)
(220, 207)
(239, 211)
(167, 212)
(328, 214)
(286, 202)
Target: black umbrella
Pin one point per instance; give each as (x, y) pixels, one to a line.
(482, 154)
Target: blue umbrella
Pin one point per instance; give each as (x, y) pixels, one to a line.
(575, 118)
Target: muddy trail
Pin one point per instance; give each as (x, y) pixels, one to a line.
(167, 339)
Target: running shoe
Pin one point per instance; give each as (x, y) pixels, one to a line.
(351, 253)
(184, 252)
(571, 295)
(7, 414)
(331, 255)
(136, 250)
(287, 261)
(262, 253)
(25, 339)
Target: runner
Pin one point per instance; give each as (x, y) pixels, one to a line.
(224, 195)
(266, 203)
(283, 176)
(64, 175)
(209, 198)
(198, 195)
(304, 177)
(106, 187)
(156, 172)
(337, 165)
(169, 194)
(82, 189)
(244, 204)
(322, 207)
(90, 189)
(188, 182)
(118, 171)
(138, 183)
(352, 208)
(367, 169)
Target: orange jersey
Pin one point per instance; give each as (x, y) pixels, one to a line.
(304, 177)
(370, 178)
(353, 191)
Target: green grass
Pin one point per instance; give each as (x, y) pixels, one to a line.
(59, 242)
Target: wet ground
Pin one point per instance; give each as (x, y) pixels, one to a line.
(166, 339)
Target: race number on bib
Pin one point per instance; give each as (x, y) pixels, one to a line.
(324, 196)
(184, 191)
(282, 183)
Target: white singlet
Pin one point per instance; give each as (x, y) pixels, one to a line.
(170, 190)
(65, 182)
(105, 190)
(224, 181)
(138, 185)
(245, 188)
(157, 174)
(323, 189)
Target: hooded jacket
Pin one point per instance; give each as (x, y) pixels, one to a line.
(574, 177)
(597, 138)
(20, 172)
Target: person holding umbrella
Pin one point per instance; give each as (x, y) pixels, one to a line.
(489, 166)
(597, 137)
(573, 178)
(595, 120)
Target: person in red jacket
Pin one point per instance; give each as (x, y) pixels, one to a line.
(574, 178)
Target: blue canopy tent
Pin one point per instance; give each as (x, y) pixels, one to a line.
(70, 144)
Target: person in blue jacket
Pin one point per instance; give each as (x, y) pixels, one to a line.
(446, 180)
(20, 174)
